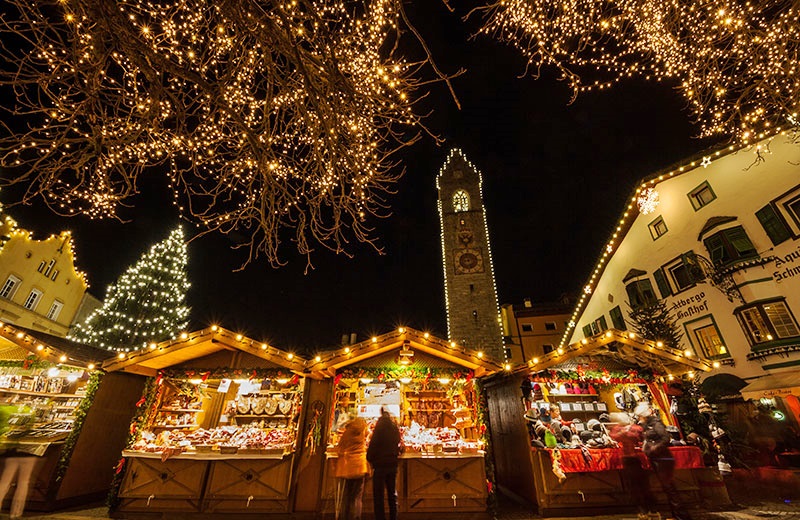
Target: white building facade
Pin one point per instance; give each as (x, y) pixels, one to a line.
(718, 240)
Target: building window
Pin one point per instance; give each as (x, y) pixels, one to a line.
(787, 208)
(54, 275)
(460, 201)
(587, 331)
(599, 325)
(527, 327)
(710, 342)
(33, 299)
(550, 325)
(767, 321)
(701, 195)
(547, 348)
(50, 266)
(640, 294)
(8, 288)
(773, 224)
(54, 311)
(657, 227)
(616, 318)
(42, 265)
(729, 246)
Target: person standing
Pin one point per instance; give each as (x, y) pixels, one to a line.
(384, 449)
(634, 476)
(656, 448)
(351, 467)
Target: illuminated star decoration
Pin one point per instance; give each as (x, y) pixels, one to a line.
(275, 121)
(736, 63)
(647, 201)
(706, 162)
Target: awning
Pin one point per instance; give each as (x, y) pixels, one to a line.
(773, 385)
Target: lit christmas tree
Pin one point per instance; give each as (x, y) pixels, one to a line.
(146, 304)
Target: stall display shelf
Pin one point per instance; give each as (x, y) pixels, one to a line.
(263, 415)
(185, 410)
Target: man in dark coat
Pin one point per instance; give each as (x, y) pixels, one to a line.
(656, 447)
(384, 449)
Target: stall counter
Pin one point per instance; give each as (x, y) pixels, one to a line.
(427, 483)
(600, 484)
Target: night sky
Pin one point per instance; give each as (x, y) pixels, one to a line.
(556, 178)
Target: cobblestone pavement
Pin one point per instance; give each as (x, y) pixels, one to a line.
(753, 511)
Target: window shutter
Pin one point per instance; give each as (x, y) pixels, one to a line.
(616, 318)
(603, 323)
(661, 281)
(773, 224)
(739, 239)
(587, 331)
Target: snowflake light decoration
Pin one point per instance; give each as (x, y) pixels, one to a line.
(647, 201)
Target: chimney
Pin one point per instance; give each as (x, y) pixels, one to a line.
(528, 303)
(353, 338)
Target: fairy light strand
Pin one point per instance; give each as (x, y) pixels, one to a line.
(735, 63)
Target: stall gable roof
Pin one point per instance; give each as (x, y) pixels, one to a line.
(352, 355)
(627, 347)
(193, 345)
(19, 342)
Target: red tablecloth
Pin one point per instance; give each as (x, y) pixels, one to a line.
(572, 461)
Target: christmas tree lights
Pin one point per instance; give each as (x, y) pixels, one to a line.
(146, 304)
(735, 62)
(271, 118)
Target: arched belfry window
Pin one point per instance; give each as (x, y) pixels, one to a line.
(460, 201)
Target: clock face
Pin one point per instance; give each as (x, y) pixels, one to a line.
(469, 261)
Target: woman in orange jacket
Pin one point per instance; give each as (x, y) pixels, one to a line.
(352, 467)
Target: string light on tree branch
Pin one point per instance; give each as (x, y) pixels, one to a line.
(274, 121)
(735, 63)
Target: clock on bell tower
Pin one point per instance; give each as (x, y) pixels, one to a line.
(473, 314)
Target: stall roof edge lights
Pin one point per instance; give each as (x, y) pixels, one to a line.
(586, 347)
(192, 345)
(328, 362)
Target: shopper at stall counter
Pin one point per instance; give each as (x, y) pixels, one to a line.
(656, 447)
(384, 449)
(352, 468)
(629, 436)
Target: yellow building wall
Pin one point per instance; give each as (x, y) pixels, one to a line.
(35, 263)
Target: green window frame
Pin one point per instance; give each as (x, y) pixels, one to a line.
(701, 196)
(730, 245)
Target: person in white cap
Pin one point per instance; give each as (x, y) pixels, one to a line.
(656, 447)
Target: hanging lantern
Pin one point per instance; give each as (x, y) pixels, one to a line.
(647, 201)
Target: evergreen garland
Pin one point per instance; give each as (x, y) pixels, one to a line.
(77, 425)
(229, 373)
(484, 426)
(426, 374)
(602, 378)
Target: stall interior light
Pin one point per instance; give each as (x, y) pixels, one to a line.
(444, 380)
(318, 358)
(366, 380)
(289, 356)
(346, 350)
(480, 354)
(687, 353)
(121, 355)
(153, 346)
(715, 364)
(90, 366)
(39, 347)
(72, 378)
(53, 372)
(282, 381)
(405, 380)
(184, 335)
(535, 360)
(195, 381)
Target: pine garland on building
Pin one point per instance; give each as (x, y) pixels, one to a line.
(146, 304)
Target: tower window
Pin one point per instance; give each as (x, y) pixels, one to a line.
(460, 201)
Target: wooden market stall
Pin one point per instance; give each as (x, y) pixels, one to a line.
(590, 384)
(65, 412)
(217, 428)
(432, 388)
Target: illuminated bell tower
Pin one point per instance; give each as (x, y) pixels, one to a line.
(473, 314)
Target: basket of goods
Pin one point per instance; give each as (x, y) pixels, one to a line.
(228, 449)
(259, 405)
(203, 448)
(272, 406)
(285, 406)
(243, 406)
